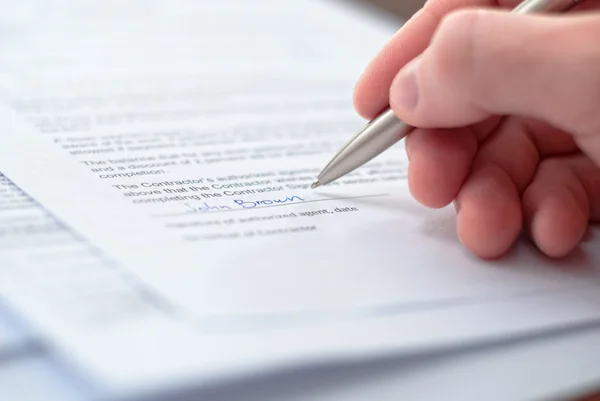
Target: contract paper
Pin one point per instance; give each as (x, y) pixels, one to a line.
(14, 339)
(181, 139)
(62, 287)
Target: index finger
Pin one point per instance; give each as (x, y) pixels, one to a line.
(371, 94)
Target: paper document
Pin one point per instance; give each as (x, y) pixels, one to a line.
(14, 339)
(182, 142)
(43, 260)
(65, 289)
(36, 378)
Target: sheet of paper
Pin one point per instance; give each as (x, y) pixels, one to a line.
(57, 289)
(36, 377)
(181, 140)
(14, 338)
(43, 260)
(562, 367)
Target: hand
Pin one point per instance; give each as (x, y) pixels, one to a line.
(508, 110)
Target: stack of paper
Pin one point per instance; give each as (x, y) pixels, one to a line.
(169, 238)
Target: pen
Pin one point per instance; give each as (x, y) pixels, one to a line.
(386, 129)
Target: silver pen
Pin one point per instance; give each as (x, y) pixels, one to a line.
(386, 129)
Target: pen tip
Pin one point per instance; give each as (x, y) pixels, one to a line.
(315, 184)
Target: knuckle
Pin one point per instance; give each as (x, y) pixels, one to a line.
(572, 48)
(586, 117)
(460, 18)
(456, 47)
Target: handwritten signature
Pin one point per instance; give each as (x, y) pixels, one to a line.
(205, 207)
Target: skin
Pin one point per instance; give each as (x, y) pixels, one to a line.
(508, 110)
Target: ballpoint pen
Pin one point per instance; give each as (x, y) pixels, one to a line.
(386, 129)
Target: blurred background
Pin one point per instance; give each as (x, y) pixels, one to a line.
(402, 8)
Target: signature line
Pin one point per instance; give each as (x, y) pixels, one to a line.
(268, 206)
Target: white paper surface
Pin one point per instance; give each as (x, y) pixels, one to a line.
(564, 367)
(14, 339)
(42, 258)
(166, 135)
(63, 288)
(36, 378)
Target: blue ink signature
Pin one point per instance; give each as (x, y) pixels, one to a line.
(205, 207)
(267, 202)
(242, 204)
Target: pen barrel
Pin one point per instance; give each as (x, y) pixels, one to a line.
(534, 6)
(377, 136)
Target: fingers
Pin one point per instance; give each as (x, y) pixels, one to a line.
(483, 63)
(489, 215)
(503, 156)
(371, 94)
(439, 164)
(440, 160)
(489, 218)
(554, 209)
(549, 140)
(486, 179)
(559, 203)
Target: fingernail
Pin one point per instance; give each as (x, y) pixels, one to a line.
(404, 92)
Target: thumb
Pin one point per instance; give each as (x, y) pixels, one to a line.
(483, 63)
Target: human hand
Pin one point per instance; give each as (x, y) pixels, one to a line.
(535, 170)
